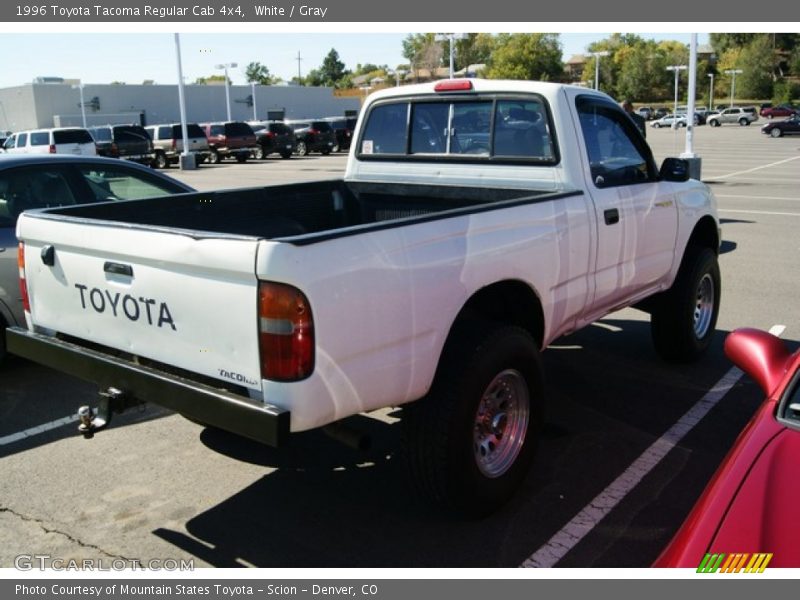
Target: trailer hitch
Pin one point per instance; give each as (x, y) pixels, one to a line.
(111, 401)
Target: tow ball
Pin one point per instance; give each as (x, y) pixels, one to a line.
(111, 401)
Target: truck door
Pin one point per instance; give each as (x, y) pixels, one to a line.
(637, 216)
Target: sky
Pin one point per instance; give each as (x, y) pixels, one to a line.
(135, 57)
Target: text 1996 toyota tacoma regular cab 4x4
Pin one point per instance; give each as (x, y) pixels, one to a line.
(477, 222)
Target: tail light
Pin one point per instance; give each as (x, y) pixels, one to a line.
(313, 131)
(270, 135)
(174, 144)
(286, 332)
(52, 148)
(114, 149)
(23, 285)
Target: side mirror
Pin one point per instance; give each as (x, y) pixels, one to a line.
(674, 169)
(761, 355)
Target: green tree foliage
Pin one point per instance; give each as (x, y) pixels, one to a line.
(258, 73)
(526, 56)
(332, 70)
(722, 42)
(757, 60)
(211, 79)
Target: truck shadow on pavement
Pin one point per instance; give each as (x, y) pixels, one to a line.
(609, 398)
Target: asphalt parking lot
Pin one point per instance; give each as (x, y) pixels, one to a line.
(156, 486)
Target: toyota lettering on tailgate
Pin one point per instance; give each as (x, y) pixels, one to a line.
(135, 309)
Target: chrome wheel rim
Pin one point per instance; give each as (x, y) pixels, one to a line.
(703, 306)
(501, 423)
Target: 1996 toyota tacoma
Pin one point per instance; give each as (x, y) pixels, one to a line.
(477, 222)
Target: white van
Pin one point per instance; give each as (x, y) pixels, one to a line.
(60, 140)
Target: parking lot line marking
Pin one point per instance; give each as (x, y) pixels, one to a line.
(591, 515)
(22, 435)
(735, 173)
(760, 212)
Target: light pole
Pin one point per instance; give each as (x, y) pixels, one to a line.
(225, 67)
(597, 56)
(186, 161)
(733, 72)
(440, 37)
(253, 88)
(677, 69)
(83, 106)
(711, 93)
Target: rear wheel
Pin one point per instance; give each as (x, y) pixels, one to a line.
(684, 317)
(214, 157)
(260, 153)
(161, 161)
(302, 149)
(744, 122)
(470, 442)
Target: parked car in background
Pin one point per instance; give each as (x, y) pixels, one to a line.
(168, 143)
(313, 136)
(784, 110)
(273, 137)
(750, 505)
(59, 140)
(661, 111)
(38, 181)
(646, 112)
(670, 121)
(734, 114)
(233, 139)
(128, 142)
(343, 128)
(790, 126)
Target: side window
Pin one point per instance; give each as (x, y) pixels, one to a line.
(27, 188)
(164, 133)
(22, 140)
(612, 145)
(119, 184)
(40, 138)
(385, 132)
(217, 130)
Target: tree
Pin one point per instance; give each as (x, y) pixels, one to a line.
(332, 69)
(423, 52)
(526, 56)
(211, 79)
(474, 49)
(757, 60)
(256, 72)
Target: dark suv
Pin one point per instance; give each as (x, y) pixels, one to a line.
(274, 137)
(232, 139)
(343, 128)
(130, 142)
(313, 136)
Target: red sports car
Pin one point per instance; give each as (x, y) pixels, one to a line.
(751, 504)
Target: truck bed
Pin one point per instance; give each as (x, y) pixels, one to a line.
(300, 213)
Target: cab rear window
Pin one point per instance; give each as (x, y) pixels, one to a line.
(497, 129)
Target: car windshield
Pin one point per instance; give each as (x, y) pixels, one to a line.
(101, 134)
(323, 126)
(130, 134)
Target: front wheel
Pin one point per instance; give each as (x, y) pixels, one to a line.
(161, 161)
(302, 149)
(776, 133)
(744, 122)
(470, 442)
(214, 157)
(260, 153)
(684, 317)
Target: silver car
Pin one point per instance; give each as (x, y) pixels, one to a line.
(30, 181)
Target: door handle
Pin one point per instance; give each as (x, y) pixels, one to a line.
(611, 216)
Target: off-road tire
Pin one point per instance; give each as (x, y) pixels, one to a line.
(684, 317)
(443, 434)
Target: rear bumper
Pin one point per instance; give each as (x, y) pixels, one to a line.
(232, 412)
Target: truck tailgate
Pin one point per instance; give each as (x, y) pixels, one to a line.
(162, 295)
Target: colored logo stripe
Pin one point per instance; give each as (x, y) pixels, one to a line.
(734, 563)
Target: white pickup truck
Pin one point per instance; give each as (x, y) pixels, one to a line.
(477, 222)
